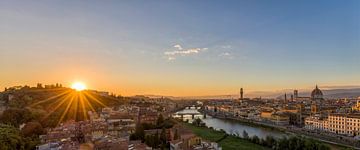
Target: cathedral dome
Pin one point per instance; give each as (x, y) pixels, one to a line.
(316, 93)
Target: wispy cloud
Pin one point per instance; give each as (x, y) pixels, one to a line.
(171, 55)
(170, 58)
(226, 46)
(226, 55)
(178, 46)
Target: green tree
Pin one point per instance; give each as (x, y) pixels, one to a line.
(15, 116)
(33, 128)
(148, 126)
(311, 144)
(255, 139)
(31, 142)
(139, 132)
(148, 140)
(10, 138)
(296, 143)
(323, 147)
(156, 140)
(270, 141)
(38, 114)
(282, 144)
(168, 123)
(176, 134)
(160, 120)
(163, 138)
(197, 122)
(245, 135)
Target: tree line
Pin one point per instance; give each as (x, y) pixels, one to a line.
(286, 143)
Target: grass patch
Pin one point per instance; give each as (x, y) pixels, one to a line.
(232, 142)
(229, 143)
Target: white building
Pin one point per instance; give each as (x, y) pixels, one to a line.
(315, 123)
(345, 124)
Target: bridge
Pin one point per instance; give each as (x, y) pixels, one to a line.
(182, 114)
(196, 107)
(193, 111)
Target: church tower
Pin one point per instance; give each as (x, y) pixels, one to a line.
(241, 94)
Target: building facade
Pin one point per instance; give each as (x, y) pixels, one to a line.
(344, 124)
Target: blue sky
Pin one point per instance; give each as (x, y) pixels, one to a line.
(181, 47)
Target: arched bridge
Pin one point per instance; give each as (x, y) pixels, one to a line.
(182, 114)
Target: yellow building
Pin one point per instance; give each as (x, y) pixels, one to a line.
(195, 140)
(188, 140)
(314, 108)
(290, 111)
(266, 115)
(280, 119)
(356, 107)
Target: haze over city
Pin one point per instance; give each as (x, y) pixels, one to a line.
(180, 75)
(181, 48)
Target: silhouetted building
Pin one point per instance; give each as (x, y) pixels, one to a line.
(296, 94)
(299, 98)
(241, 94)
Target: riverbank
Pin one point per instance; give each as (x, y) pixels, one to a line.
(250, 123)
(285, 130)
(232, 142)
(229, 143)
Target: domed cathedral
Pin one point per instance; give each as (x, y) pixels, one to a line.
(316, 94)
(317, 98)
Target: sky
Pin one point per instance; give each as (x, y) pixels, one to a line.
(181, 48)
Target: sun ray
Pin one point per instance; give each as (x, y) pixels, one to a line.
(68, 105)
(51, 98)
(58, 102)
(88, 103)
(62, 101)
(95, 99)
(83, 106)
(66, 110)
(75, 107)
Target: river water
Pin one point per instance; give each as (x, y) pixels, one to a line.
(229, 126)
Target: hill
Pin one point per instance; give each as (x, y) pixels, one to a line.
(53, 106)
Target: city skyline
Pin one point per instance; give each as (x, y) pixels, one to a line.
(329, 91)
(184, 48)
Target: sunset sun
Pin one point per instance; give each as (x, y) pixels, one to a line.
(78, 86)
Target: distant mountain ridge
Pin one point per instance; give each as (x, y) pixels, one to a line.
(328, 93)
(342, 93)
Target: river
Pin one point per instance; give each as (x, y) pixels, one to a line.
(229, 126)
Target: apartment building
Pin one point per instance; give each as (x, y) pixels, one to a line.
(348, 124)
(345, 124)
